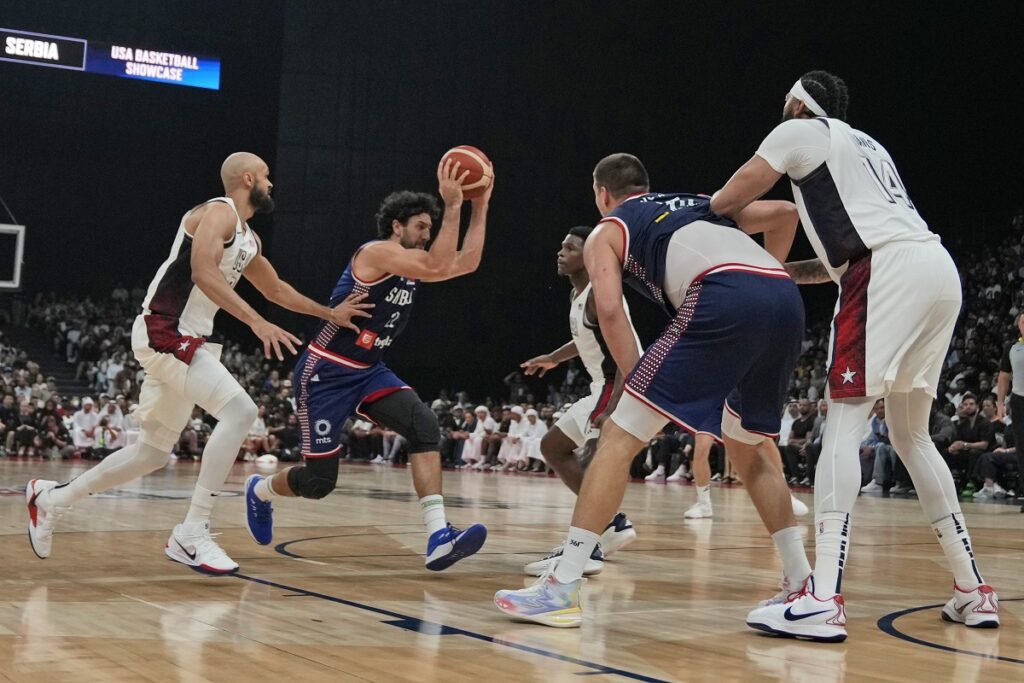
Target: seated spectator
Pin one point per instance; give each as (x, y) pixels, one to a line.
(510, 455)
(473, 453)
(365, 440)
(799, 432)
(84, 423)
(999, 463)
(287, 439)
(54, 442)
(258, 441)
(973, 437)
(447, 425)
(878, 433)
(393, 448)
(531, 435)
(22, 439)
(665, 447)
(811, 450)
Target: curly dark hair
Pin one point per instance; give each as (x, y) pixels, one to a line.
(829, 91)
(581, 231)
(402, 206)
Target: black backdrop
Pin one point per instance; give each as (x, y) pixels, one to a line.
(350, 100)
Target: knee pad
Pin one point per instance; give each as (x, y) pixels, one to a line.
(403, 412)
(732, 428)
(316, 479)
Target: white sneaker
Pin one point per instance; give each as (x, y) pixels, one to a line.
(978, 608)
(41, 518)
(678, 475)
(872, 487)
(594, 565)
(657, 475)
(617, 535)
(193, 545)
(716, 477)
(698, 510)
(378, 460)
(799, 508)
(899, 488)
(804, 616)
(786, 592)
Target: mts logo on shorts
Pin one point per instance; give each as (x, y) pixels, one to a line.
(366, 339)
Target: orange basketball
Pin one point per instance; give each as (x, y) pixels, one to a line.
(478, 165)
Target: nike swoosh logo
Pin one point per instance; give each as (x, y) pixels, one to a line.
(960, 610)
(192, 555)
(797, 617)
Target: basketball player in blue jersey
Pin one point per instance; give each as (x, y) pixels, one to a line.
(737, 324)
(890, 336)
(214, 247)
(341, 372)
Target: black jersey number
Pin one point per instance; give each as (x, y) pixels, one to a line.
(888, 181)
(394, 319)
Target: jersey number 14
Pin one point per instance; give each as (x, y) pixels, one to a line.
(888, 181)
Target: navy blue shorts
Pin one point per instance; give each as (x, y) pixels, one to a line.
(328, 393)
(737, 334)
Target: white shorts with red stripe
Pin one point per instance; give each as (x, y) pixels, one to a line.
(576, 423)
(894, 320)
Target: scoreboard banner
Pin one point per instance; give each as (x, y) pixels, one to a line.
(123, 61)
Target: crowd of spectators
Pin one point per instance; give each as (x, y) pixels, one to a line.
(93, 336)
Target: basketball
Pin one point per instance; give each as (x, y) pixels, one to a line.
(478, 165)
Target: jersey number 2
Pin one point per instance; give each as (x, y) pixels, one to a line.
(888, 181)
(394, 319)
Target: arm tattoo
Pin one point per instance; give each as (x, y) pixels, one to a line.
(810, 272)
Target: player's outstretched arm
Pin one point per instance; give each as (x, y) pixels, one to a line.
(749, 183)
(777, 220)
(265, 279)
(539, 365)
(467, 260)
(603, 260)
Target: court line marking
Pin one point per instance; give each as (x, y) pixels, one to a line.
(418, 625)
(887, 625)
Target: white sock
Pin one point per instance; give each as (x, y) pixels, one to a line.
(956, 544)
(433, 513)
(202, 505)
(263, 490)
(794, 560)
(704, 494)
(579, 545)
(832, 545)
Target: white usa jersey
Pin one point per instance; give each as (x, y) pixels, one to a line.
(589, 341)
(173, 302)
(846, 187)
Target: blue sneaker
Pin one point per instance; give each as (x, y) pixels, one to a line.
(259, 515)
(547, 602)
(449, 545)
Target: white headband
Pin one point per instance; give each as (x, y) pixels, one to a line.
(798, 92)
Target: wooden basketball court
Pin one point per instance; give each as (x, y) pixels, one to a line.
(343, 596)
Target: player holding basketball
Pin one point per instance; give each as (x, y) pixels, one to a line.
(899, 298)
(342, 371)
(213, 249)
(737, 322)
(577, 426)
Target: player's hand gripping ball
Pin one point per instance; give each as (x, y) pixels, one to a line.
(477, 164)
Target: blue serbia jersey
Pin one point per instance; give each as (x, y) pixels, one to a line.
(649, 221)
(392, 297)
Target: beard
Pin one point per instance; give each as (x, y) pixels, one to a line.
(260, 200)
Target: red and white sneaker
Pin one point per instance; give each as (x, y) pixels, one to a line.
(193, 545)
(803, 616)
(787, 591)
(41, 518)
(977, 608)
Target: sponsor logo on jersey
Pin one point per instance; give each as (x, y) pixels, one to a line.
(366, 339)
(322, 427)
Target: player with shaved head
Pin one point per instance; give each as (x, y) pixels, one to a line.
(213, 248)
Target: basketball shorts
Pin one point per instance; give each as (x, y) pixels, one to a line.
(577, 422)
(735, 334)
(328, 393)
(894, 320)
(173, 387)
